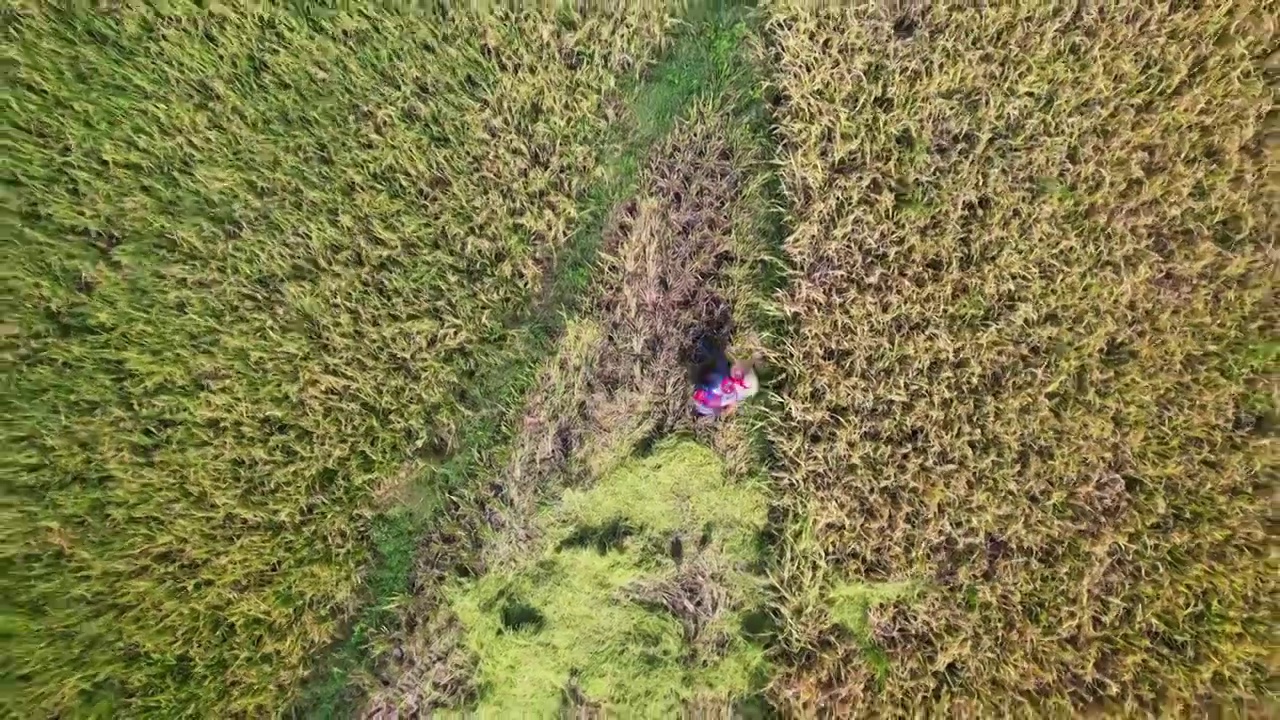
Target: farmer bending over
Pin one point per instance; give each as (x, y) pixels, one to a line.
(719, 386)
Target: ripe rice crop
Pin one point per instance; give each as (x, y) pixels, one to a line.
(1028, 316)
(337, 326)
(260, 258)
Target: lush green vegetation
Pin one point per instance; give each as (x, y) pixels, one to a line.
(345, 351)
(1031, 255)
(637, 590)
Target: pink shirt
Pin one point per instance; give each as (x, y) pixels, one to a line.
(730, 391)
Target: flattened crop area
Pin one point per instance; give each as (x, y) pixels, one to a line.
(594, 577)
(1025, 376)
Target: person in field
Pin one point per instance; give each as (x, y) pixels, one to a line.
(719, 385)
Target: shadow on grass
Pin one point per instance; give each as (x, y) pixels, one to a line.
(605, 538)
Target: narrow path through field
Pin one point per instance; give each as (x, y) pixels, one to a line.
(681, 253)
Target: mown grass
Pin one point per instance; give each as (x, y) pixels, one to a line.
(632, 595)
(1025, 369)
(263, 264)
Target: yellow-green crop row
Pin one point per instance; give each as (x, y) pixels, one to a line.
(1027, 410)
(255, 261)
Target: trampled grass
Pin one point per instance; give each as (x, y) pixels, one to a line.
(1025, 371)
(633, 594)
(265, 264)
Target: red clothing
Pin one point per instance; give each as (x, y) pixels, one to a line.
(716, 397)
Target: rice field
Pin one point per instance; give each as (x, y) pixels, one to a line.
(347, 361)
(267, 265)
(1030, 331)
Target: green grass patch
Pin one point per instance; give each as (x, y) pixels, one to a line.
(628, 581)
(849, 604)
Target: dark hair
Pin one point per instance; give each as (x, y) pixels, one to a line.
(709, 361)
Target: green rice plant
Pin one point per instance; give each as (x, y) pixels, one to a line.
(1026, 363)
(260, 266)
